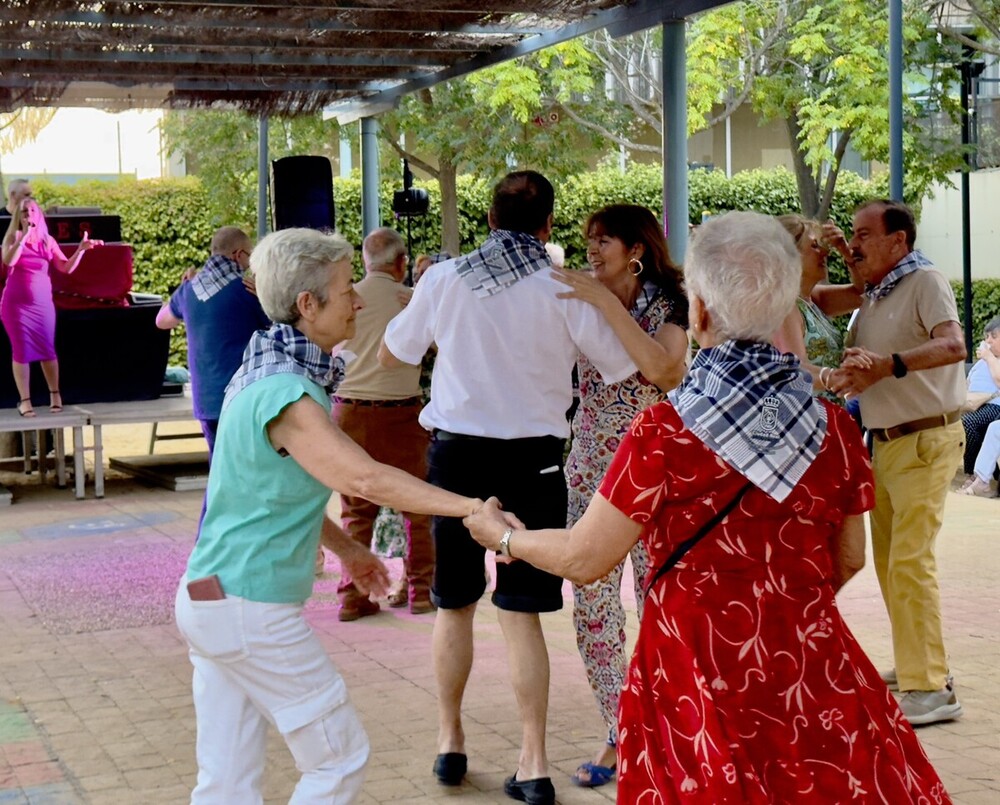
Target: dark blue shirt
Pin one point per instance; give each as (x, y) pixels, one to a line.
(217, 333)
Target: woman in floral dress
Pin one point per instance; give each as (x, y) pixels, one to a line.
(638, 288)
(746, 685)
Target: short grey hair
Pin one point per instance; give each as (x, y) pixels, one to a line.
(746, 270)
(293, 261)
(382, 247)
(992, 326)
(16, 183)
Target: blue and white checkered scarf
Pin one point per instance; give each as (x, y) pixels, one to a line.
(283, 349)
(753, 406)
(502, 260)
(914, 261)
(216, 274)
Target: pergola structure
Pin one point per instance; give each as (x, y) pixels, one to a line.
(355, 58)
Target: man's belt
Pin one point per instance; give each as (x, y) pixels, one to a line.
(404, 403)
(906, 428)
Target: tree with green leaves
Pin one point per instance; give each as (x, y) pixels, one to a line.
(221, 148)
(974, 24)
(494, 120)
(820, 66)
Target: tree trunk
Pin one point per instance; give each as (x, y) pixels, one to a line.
(447, 175)
(831, 177)
(804, 178)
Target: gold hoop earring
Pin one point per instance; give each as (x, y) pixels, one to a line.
(633, 271)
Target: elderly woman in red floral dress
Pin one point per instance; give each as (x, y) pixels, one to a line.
(746, 685)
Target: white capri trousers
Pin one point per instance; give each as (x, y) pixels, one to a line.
(254, 664)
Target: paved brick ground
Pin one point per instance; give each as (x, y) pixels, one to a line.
(104, 716)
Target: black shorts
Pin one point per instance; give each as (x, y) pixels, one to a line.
(527, 476)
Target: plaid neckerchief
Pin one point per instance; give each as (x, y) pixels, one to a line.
(502, 260)
(753, 406)
(914, 261)
(283, 349)
(216, 274)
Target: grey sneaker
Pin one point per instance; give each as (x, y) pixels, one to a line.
(930, 706)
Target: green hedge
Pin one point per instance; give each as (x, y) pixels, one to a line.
(168, 225)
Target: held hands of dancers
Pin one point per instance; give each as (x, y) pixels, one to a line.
(488, 525)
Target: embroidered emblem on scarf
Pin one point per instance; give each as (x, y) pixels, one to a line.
(502, 260)
(753, 406)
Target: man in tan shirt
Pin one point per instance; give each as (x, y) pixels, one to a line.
(378, 408)
(905, 362)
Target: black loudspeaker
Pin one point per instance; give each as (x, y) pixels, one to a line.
(302, 192)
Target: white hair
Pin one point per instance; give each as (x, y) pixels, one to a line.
(382, 247)
(292, 261)
(746, 270)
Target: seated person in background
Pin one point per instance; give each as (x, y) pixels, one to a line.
(983, 404)
(986, 464)
(221, 315)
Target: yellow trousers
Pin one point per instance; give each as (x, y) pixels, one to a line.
(912, 478)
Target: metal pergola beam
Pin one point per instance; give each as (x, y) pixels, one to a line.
(654, 11)
(381, 20)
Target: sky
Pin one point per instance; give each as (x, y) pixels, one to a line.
(87, 141)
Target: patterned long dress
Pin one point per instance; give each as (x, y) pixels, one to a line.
(602, 418)
(746, 686)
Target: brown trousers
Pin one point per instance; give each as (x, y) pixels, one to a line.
(390, 435)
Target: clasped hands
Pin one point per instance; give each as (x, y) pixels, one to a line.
(488, 523)
(859, 369)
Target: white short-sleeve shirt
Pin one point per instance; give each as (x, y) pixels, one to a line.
(504, 362)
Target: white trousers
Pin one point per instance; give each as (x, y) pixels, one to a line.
(989, 453)
(255, 664)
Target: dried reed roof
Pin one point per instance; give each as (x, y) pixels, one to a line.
(278, 56)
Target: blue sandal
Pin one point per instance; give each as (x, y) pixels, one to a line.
(597, 775)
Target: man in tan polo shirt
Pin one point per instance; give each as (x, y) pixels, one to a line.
(905, 361)
(378, 408)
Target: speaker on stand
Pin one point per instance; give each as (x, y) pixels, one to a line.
(302, 192)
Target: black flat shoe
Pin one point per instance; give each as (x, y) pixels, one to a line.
(451, 767)
(539, 791)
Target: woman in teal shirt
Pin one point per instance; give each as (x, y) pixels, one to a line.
(807, 331)
(277, 458)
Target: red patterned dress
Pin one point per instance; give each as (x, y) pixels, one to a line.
(746, 686)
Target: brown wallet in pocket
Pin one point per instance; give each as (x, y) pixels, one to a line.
(206, 589)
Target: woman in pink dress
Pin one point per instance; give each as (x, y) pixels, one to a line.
(26, 307)
(746, 686)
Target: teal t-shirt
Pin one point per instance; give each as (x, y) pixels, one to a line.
(264, 513)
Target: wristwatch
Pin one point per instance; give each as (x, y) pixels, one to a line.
(505, 543)
(898, 367)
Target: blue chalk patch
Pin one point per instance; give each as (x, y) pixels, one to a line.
(93, 526)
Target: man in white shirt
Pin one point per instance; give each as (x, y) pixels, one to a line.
(499, 394)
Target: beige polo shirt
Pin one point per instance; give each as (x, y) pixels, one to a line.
(903, 320)
(366, 378)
